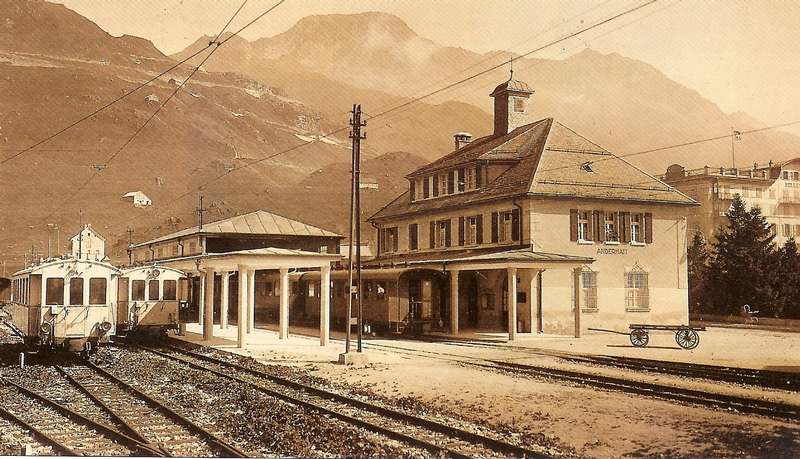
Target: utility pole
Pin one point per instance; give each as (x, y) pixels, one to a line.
(200, 211)
(355, 238)
(130, 243)
(80, 233)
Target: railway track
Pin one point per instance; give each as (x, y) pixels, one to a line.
(747, 405)
(145, 418)
(754, 377)
(63, 430)
(430, 435)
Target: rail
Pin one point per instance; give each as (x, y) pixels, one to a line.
(320, 394)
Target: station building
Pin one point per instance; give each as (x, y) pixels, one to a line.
(774, 187)
(532, 229)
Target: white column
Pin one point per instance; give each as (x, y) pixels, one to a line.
(283, 324)
(241, 334)
(200, 299)
(251, 300)
(223, 302)
(576, 278)
(453, 302)
(208, 318)
(325, 305)
(512, 304)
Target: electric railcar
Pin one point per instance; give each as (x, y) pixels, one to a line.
(64, 304)
(149, 299)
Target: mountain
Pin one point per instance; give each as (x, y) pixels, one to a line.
(57, 66)
(231, 126)
(624, 104)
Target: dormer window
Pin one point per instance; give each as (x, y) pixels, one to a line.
(443, 189)
(469, 178)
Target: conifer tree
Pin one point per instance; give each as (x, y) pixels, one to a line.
(788, 281)
(743, 265)
(698, 260)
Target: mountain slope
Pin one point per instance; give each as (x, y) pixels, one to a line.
(626, 105)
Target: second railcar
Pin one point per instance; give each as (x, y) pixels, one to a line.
(149, 299)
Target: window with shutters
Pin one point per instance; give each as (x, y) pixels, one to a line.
(471, 230)
(443, 184)
(610, 226)
(584, 220)
(97, 290)
(636, 229)
(637, 293)
(426, 189)
(589, 290)
(461, 180)
(413, 236)
(505, 227)
(76, 290)
(137, 290)
(54, 292)
(442, 233)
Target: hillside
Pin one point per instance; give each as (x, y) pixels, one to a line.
(624, 104)
(219, 121)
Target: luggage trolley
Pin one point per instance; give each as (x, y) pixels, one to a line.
(686, 336)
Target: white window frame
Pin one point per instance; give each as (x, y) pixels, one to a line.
(471, 233)
(442, 184)
(589, 290)
(583, 225)
(637, 290)
(636, 228)
(505, 227)
(611, 231)
(469, 179)
(441, 233)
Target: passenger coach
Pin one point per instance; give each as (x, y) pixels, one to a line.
(64, 303)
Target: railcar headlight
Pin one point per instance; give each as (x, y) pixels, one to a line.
(105, 326)
(45, 329)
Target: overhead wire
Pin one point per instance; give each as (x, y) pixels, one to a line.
(418, 98)
(216, 44)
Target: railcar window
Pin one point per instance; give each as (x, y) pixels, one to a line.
(137, 290)
(97, 290)
(76, 290)
(170, 290)
(55, 291)
(152, 289)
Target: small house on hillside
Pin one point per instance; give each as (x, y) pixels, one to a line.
(139, 199)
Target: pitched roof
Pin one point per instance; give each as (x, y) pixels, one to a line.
(513, 86)
(259, 222)
(546, 159)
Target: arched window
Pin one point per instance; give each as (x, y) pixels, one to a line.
(637, 293)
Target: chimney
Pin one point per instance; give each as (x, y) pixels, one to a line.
(510, 106)
(461, 139)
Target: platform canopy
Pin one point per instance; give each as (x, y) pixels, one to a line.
(256, 259)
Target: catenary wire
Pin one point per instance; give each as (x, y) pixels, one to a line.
(216, 46)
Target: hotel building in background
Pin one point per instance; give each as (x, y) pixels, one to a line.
(774, 187)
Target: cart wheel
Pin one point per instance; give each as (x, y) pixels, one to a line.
(639, 337)
(687, 338)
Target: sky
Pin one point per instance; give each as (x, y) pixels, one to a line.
(740, 54)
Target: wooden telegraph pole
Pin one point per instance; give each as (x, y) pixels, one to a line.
(355, 238)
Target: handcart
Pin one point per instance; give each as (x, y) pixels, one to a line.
(686, 336)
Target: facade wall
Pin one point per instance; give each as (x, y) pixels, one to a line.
(664, 260)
